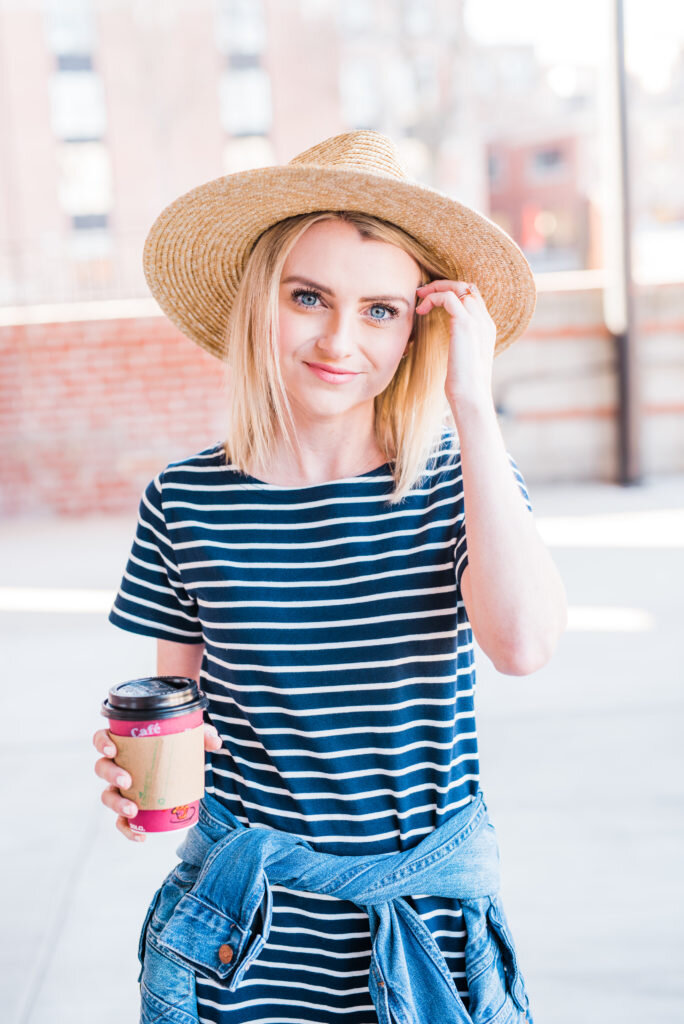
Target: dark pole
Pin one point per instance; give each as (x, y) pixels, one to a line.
(629, 420)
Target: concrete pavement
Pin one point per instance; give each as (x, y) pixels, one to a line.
(581, 767)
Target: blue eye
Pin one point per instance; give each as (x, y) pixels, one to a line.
(305, 297)
(391, 312)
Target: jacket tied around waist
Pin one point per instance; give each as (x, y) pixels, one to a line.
(212, 916)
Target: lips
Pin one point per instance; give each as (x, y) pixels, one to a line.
(331, 374)
(331, 369)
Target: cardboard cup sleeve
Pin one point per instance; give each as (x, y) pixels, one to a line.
(167, 771)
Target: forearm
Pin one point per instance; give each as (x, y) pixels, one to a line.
(513, 592)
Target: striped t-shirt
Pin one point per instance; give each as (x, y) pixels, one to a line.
(340, 673)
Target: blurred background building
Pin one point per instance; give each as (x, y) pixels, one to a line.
(110, 109)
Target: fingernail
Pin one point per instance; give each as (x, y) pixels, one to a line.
(110, 751)
(138, 838)
(123, 781)
(130, 810)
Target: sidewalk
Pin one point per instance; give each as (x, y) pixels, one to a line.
(581, 766)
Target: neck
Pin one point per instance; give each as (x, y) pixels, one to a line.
(330, 452)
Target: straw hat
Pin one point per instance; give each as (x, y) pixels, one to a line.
(197, 248)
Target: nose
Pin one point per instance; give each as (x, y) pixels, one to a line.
(336, 339)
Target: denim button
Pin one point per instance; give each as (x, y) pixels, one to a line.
(225, 953)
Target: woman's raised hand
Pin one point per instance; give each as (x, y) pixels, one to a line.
(118, 779)
(472, 340)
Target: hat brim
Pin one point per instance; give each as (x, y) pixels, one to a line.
(196, 250)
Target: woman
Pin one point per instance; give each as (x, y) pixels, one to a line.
(322, 573)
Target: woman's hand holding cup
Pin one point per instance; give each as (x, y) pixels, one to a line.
(106, 768)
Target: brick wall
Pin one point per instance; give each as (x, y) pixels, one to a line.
(92, 409)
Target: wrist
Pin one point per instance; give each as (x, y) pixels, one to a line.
(473, 405)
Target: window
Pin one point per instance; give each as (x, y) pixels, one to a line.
(77, 105)
(74, 62)
(242, 61)
(240, 26)
(495, 168)
(85, 180)
(69, 26)
(89, 221)
(547, 163)
(245, 101)
(548, 159)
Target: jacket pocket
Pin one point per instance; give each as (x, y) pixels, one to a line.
(167, 987)
(167, 991)
(495, 985)
(514, 979)
(207, 940)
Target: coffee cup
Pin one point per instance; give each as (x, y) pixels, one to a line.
(157, 726)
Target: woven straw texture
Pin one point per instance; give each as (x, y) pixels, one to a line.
(197, 248)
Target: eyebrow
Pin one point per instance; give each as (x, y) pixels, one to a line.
(329, 291)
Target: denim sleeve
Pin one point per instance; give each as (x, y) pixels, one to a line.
(152, 598)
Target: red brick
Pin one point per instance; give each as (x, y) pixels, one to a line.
(78, 399)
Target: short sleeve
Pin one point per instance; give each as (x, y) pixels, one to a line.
(461, 549)
(521, 482)
(152, 599)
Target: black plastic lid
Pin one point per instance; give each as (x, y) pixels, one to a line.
(153, 697)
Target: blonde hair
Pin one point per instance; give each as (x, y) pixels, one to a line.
(409, 413)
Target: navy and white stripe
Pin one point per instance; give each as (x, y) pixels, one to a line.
(340, 672)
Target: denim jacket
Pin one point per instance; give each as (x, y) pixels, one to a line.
(212, 916)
